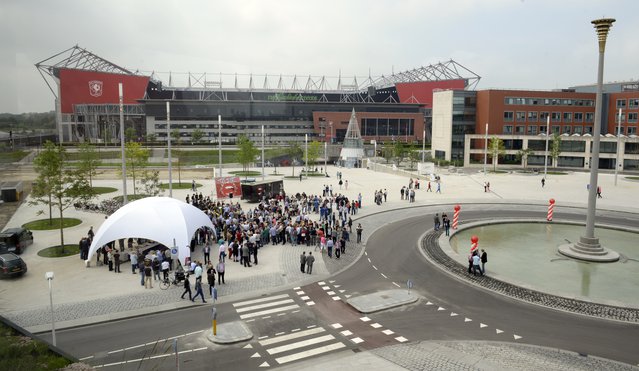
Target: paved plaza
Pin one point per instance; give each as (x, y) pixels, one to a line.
(84, 295)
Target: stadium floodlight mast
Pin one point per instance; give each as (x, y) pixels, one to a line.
(263, 159)
(124, 200)
(168, 136)
(219, 142)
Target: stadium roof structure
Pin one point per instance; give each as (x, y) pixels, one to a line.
(76, 58)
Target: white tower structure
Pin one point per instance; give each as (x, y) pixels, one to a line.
(353, 148)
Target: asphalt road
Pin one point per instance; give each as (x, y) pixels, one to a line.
(451, 309)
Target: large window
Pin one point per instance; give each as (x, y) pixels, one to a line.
(508, 129)
(520, 130)
(543, 116)
(577, 129)
(633, 103)
(567, 116)
(590, 117)
(632, 117)
(567, 129)
(521, 116)
(555, 117)
(532, 116)
(621, 103)
(532, 129)
(579, 117)
(508, 116)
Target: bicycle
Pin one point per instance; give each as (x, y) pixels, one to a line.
(174, 280)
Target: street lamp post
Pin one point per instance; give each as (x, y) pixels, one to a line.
(168, 136)
(263, 159)
(423, 143)
(306, 149)
(219, 142)
(485, 148)
(588, 247)
(49, 277)
(546, 153)
(124, 200)
(325, 156)
(618, 146)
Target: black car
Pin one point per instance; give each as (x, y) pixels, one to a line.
(11, 265)
(16, 239)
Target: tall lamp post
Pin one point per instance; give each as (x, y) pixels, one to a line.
(124, 200)
(306, 150)
(485, 148)
(219, 142)
(617, 165)
(588, 248)
(423, 143)
(546, 153)
(168, 136)
(49, 277)
(325, 156)
(263, 159)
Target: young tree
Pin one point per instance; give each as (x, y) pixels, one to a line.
(413, 155)
(247, 152)
(314, 150)
(294, 151)
(89, 161)
(555, 149)
(196, 136)
(57, 185)
(387, 152)
(137, 159)
(151, 138)
(150, 181)
(522, 155)
(398, 152)
(130, 134)
(496, 149)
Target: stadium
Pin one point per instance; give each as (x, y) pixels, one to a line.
(397, 107)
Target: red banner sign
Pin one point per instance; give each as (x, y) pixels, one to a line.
(228, 186)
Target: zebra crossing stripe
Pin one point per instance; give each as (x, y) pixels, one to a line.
(300, 344)
(265, 305)
(268, 311)
(261, 300)
(310, 353)
(295, 335)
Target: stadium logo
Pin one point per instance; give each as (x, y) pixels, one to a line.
(95, 88)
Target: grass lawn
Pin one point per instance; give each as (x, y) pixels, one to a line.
(556, 173)
(103, 190)
(12, 156)
(19, 352)
(102, 155)
(44, 225)
(632, 177)
(55, 251)
(132, 197)
(246, 173)
(201, 157)
(183, 185)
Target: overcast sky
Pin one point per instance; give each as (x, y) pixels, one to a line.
(523, 44)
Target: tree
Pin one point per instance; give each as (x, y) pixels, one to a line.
(413, 155)
(496, 149)
(294, 151)
(130, 134)
(196, 136)
(555, 148)
(151, 137)
(398, 152)
(137, 158)
(522, 155)
(150, 180)
(57, 185)
(314, 150)
(387, 152)
(247, 152)
(89, 161)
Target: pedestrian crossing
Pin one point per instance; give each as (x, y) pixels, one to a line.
(265, 307)
(300, 344)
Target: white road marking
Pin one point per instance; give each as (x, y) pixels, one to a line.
(498, 331)
(250, 320)
(441, 308)
(336, 325)
(336, 298)
(369, 259)
(348, 296)
(325, 288)
(346, 333)
(147, 344)
(268, 311)
(331, 293)
(337, 286)
(265, 317)
(321, 283)
(249, 302)
(387, 332)
(453, 314)
(296, 288)
(291, 336)
(311, 326)
(429, 303)
(280, 333)
(517, 337)
(295, 330)
(295, 311)
(261, 337)
(401, 339)
(467, 320)
(375, 325)
(309, 303)
(300, 292)
(374, 267)
(341, 291)
(300, 344)
(265, 305)
(172, 354)
(383, 275)
(247, 346)
(357, 340)
(265, 364)
(281, 314)
(481, 325)
(365, 319)
(396, 284)
(310, 353)
(331, 281)
(256, 355)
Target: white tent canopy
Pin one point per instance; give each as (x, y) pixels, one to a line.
(161, 219)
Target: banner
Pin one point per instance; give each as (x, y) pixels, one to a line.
(228, 187)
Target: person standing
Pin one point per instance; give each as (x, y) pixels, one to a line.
(155, 265)
(446, 223)
(207, 253)
(90, 234)
(220, 272)
(187, 287)
(210, 278)
(359, 232)
(165, 270)
(142, 267)
(303, 261)
(134, 261)
(484, 260)
(436, 222)
(245, 255)
(116, 260)
(148, 271)
(543, 182)
(439, 187)
(310, 259)
(476, 266)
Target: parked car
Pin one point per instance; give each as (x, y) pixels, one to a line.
(16, 239)
(11, 265)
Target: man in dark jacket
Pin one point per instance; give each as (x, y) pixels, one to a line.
(187, 287)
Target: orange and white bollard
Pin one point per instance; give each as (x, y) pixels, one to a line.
(474, 242)
(456, 216)
(551, 206)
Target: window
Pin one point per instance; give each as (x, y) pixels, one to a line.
(521, 116)
(566, 129)
(588, 130)
(590, 117)
(579, 117)
(508, 129)
(632, 130)
(532, 116)
(632, 117)
(520, 130)
(532, 129)
(623, 118)
(555, 117)
(543, 116)
(556, 129)
(508, 116)
(621, 103)
(567, 116)
(633, 103)
(618, 129)
(577, 129)
(542, 129)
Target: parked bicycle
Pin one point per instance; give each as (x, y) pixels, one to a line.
(174, 279)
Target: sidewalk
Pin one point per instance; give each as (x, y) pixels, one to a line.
(84, 295)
